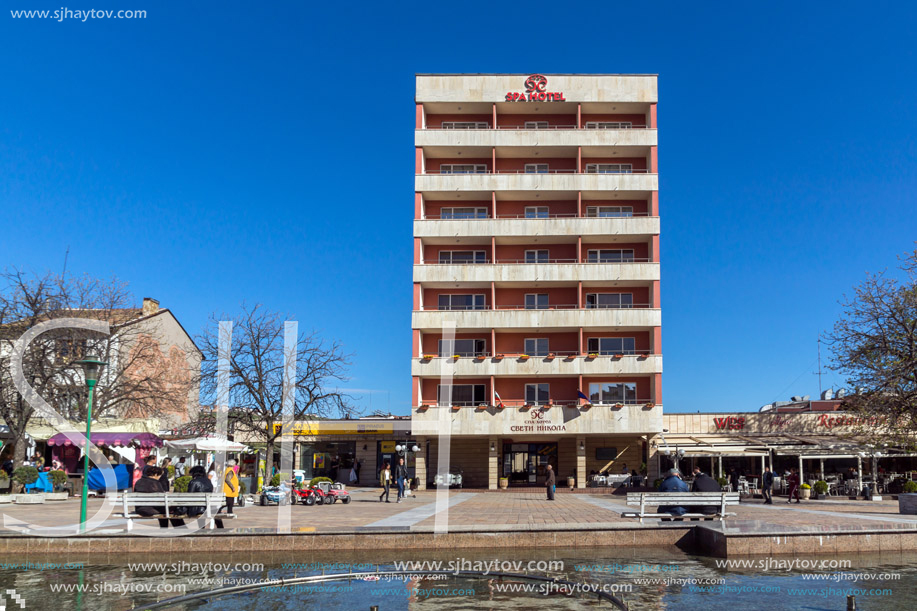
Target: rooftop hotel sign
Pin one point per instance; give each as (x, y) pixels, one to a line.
(535, 91)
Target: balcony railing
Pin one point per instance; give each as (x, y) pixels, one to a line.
(569, 215)
(562, 354)
(540, 262)
(562, 306)
(522, 403)
(561, 171)
(522, 127)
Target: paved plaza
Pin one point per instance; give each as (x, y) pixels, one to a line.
(479, 510)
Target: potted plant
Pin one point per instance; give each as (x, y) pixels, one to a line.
(618, 405)
(498, 357)
(423, 407)
(181, 483)
(429, 357)
(805, 491)
(25, 476)
(658, 482)
(504, 483)
(907, 500)
(592, 355)
(483, 406)
(649, 405)
(821, 490)
(722, 481)
(550, 356)
(619, 356)
(645, 355)
(480, 357)
(456, 357)
(4, 480)
(586, 406)
(523, 357)
(456, 408)
(571, 482)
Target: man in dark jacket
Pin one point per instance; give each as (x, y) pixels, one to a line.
(401, 474)
(673, 483)
(151, 483)
(704, 483)
(767, 486)
(200, 483)
(550, 482)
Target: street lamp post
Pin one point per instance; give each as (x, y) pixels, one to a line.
(92, 368)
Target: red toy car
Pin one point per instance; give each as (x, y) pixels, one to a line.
(334, 492)
(309, 496)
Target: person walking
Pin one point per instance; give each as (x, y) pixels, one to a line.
(385, 479)
(550, 482)
(401, 474)
(180, 467)
(793, 481)
(767, 486)
(230, 485)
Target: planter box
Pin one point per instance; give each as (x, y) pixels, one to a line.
(907, 504)
(56, 496)
(30, 499)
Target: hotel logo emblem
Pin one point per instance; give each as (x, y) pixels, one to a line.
(535, 91)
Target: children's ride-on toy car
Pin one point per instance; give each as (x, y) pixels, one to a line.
(275, 495)
(310, 496)
(334, 492)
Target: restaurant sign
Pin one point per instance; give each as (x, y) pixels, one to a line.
(535, 91)
(337, 428)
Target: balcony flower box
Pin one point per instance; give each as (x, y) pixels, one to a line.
(619, 356)
(523, 357)
(498, 406)
(423, 407)
(456, 408)
(480, 357)
(649, 405)
(645, 355)
(618, 405)
(429, 357)
(498, 357)
(586, 406)
(456, 357)
(483, 406)
(526, 406)
(548, 405)
(592, 355)
(550, 356)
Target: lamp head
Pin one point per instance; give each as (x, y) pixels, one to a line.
(415, 449)
(399, 447)
(92, 369)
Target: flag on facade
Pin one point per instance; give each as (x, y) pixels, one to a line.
(499, 400)
(582, 395)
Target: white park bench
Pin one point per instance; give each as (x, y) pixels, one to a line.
(680, 499)
(169, 501)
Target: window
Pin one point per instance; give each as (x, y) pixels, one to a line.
(609, 125)
(536, 346)
(537, 394)
(462, 257)
(461, 302)
(536, 168)
(536, 212)
(610, 345)
(70, 349)
(536, 301)
(611, 256)
(609, 168)
(461, 394)
(609, 211)
(463, 213)
(606, 392)
(609, 300)
(536, 256)
(464, 168)
(463, 347)
(466, 125)
(536, 125)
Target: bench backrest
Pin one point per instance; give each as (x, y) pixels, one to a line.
(174, 499)
(682, 498)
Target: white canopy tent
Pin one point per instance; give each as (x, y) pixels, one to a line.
(207, 444)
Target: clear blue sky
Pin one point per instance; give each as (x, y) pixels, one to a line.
(193, 154)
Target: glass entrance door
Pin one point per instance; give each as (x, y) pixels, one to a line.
(524, 463)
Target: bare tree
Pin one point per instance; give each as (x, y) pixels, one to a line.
(874, 344)
(140, 381)
(256, 384)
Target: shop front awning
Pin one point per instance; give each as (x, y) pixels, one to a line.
(804, 446)
(124, 440)
(207, 444)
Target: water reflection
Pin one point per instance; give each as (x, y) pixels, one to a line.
(658, 578)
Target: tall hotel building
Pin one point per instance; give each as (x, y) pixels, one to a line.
(536, 243)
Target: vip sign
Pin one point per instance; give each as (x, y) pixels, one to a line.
(731, 423)
(535, 91)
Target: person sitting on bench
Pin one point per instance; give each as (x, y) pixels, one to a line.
(704, 483)
(150, 482)
(673, 483)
